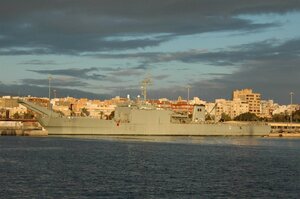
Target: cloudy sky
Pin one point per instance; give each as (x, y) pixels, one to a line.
(103, 48)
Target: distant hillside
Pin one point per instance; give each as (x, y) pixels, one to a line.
(3, 93)
(37, 91)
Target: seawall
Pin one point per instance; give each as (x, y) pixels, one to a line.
(21, 128)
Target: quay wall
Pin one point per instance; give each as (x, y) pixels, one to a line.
(19, 128)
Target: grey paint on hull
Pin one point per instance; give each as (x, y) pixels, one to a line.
(135, 120)
(90, 126)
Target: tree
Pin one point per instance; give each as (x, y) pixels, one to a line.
(112, 115)
(246, 117)
(296, 116)
(28, 115)
(2, 112)
(209, 117)
(281, 117)
(16, 115)
(59, 112)
(225, 117)
(285, 117)
(85, 112)
(101, 114)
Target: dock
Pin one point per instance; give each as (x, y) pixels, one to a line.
(283, 129)
(21, 128)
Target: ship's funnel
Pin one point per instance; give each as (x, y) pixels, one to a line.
(199, 113)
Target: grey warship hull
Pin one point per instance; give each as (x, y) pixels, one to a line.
(91, 126)
(135, 121)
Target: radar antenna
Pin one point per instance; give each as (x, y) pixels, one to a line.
(144, 85)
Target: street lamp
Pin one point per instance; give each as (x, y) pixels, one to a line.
(291, 94)
(49, 78)
(54, 93)
(188, 94)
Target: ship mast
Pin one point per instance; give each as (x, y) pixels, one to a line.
(144, 84)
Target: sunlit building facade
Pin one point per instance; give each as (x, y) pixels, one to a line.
(252, 99)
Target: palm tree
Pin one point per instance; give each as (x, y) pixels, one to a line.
(101, 114)
(85, 112)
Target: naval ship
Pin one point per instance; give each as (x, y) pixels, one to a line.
(138, 119)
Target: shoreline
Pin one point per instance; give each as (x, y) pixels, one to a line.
(285, 134)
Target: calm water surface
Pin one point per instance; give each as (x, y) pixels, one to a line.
(149, 167)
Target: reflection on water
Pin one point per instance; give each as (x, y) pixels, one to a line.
(149, 167)
(207, 140)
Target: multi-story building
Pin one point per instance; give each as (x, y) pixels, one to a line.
(247, 96)
(9, 106)
(232, 108)
(238, 107)
(222, 106)
(267, 108)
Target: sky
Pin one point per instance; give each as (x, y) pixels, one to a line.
(105, 48)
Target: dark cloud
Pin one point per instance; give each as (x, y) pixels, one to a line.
(38, 62)
(160, 77)
(111, 74)
(267, 79)
(79, 26)
(41, 91)
(263, 50)
(57, 82)
(127, 72)
(85, 73)
(270, 67)
(191, 56)
(95, 27)
(113, 69)
(216, 74)
(122, 72)
(109, 69)
(273, 78)
(234, 55)
(141, 67)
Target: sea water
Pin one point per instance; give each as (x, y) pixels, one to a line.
(149, 167)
